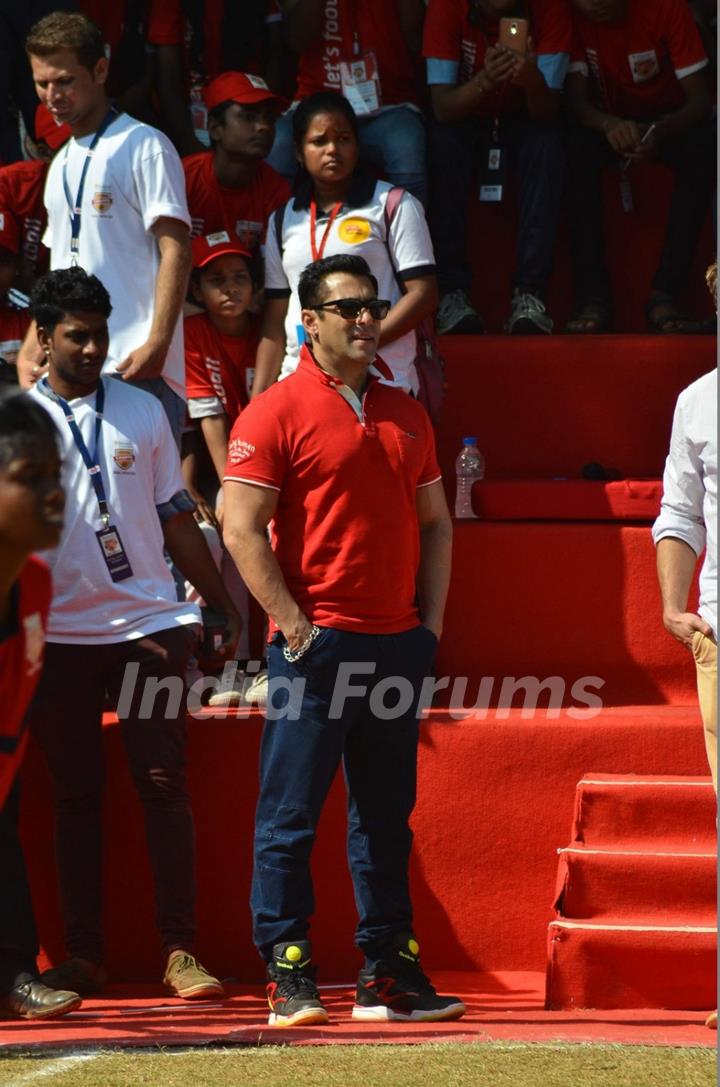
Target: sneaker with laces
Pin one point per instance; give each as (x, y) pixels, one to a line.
(187, 978)
(291, 990)
(528, 316)
(230, 688)
(397, 989)
(257, 691)
(79, 975)
(456, 314)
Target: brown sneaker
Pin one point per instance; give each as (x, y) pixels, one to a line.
(78, 975)
(186, 977)
(711, 1021)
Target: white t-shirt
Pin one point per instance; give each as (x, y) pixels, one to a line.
(134, 178)
(359, 229)
(140, 470)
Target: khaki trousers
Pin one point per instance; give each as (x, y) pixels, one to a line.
(705, 654)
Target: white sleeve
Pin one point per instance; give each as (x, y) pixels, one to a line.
(275, 277)
(681, 511)
(409, 239)
(159, 181)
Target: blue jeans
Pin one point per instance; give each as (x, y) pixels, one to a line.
(308, 733)
(538, 152)
(393, 142)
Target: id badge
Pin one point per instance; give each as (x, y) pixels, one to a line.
(492, 174)
(114, 553)
(361, 83)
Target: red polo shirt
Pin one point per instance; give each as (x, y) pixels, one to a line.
(634, 65)
(21, 199)
(169, 26)
(350, 28)
(22, 644)
(217, 365)
(244, 212)
(345, 532)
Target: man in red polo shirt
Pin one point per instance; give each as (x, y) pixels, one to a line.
(230, 188)
(637, 90)
(354, 583)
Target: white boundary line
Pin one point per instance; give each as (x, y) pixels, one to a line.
(55, 1068)
(648, 782)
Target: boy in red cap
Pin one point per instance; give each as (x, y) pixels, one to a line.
(220, 347)
(220, 342)
(231, 188)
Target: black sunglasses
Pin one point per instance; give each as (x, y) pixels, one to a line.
(351, 308)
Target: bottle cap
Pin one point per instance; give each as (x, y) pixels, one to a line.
(469, 441)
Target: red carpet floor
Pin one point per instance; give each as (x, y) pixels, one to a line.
(501, 1007)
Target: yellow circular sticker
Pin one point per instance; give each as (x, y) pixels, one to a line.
(354, 231)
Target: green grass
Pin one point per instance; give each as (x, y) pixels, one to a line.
(447, 1065)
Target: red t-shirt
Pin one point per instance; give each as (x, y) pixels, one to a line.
(14, 323)
(244, 212)
(21, 198)
(217, 365)
(634, 65)
(345, 531)
(170, 27)
(451, 36)
(22, 644)
(351, 29)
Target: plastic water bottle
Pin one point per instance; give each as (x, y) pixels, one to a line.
(469, 467)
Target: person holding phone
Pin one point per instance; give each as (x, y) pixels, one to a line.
(637, 91)
(495, 81)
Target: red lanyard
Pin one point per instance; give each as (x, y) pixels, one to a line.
(317, 253)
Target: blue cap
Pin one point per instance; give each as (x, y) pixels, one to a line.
(469, 441)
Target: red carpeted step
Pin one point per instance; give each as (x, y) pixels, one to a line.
(630, 966)
(630, 808)
(657, 888)
(543, 408)
(574, 606)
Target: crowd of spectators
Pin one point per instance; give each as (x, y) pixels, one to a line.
(194, 158)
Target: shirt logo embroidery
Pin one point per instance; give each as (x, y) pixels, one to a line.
(354, 231)
(239, 450)
(644, 66)
(102, 202)
(124, 457)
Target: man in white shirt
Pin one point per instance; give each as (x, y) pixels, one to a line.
(686, 527)
(115, 198)
(115, 616)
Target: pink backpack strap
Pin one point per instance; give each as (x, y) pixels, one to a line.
(391, 205)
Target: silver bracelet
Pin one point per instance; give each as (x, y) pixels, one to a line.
(292, 655)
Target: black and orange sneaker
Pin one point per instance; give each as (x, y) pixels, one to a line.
(291, 990)
(397, 989)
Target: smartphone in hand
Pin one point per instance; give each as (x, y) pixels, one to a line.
(514, 34)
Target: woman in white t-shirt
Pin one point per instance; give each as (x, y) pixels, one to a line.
(339, 208)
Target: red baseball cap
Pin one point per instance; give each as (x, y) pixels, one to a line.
(48, 130)
(207, 248)
(240, 87)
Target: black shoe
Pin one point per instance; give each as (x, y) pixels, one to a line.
(291, 990)
(398, 989)
(34, 1000)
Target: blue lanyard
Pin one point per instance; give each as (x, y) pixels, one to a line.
(91, 460)
(76, 207)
